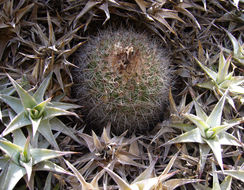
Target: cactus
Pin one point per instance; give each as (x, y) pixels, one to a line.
(123, 78)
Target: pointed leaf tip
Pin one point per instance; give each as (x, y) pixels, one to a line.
(26, 99)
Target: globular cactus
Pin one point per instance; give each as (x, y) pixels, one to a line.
(123, 78)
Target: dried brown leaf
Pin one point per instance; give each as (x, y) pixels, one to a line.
(51, 39)
(21, 12)
(104, 7)
(89, 5)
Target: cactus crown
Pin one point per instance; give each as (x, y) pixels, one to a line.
(123, 78)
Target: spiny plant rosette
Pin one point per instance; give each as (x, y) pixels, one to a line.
(123, 78)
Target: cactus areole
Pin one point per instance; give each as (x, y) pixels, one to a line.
(123, 78)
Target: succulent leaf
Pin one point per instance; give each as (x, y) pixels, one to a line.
(37, 112)
(59, 126)
(40, 155)
(64, 106)
(35, 125)
(209, 72)
(216, 184)
(214, 118)
(226, 184)
(45, 129)
(26, 99)
(7, 180)
(238, 174)
(209, 131)
(204, 150)
(39, 94)
(201, 124)
(223, 68)
(47, 165)
(19, 138)
(13, 102)
(215, 146)
(190, 136)
(12, 150)
(51, 112)
(228, 139)
(28, 167)
(25, 155)
(22, 161)
(224, 81)
(199, 111)
(18, 121)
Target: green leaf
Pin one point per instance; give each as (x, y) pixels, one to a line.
(218, 129)
(233, 81)
(199, 111)
(35, 125)
(27, 100)
(182, 126)
(11, 175)
(237, 89)
(208, 71)
(26, 151)
(45, 129)
(191, 136)
(228, 139)
(50, 166)
(238, 174)
(201, 124)
(222, 62)
(12, 150)
(226, 184)
(234, 42)
(39, 94)
(223, 68)
(19, 138)
(19, 121)
(28, 168)
(59, 126)
(13, 102)
(48, 182)
(216, 148)
(208, 85)
(215, 117)
(204, 151)
(63, 106)
(40, 155)
(41, 107)
(216, 185)
(51, 112)
(7, 91)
